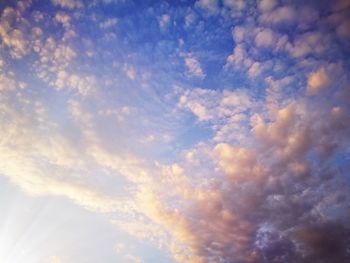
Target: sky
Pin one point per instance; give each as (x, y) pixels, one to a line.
(203, 131)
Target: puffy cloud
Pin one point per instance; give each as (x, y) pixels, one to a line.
(130, 71)
(193, 66)
(267, 5)
(13, 32)
(63, 18)
(210, 6)
(225, 111)
(255, 69)
(164, 21)
(82, 84)
(309, 43)
(234, 4)
(239, 56)
(190, 18)
(108, 23)
(236, 8)
(239, 34)
(70, 4)
(317, 81)
(280, 16)
(7, 82)
(271, 197)
(323, 77)
(240, 59)
(265, 38)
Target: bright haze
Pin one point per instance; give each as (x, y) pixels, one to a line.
(208, 131)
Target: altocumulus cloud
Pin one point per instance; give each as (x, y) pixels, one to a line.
(244, 107)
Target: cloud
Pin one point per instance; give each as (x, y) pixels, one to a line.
(287, 146)
(267, 5)
(225, 110)
(239, 56)
(70, 4)
(255, 69)
(326, 242)
(193, 66)
(309, 43)
(241, 60)
(239, 34)
(236, 7)
(285, 15)
(7, 82)
(63, 18)
(13, 32)
(317, 81)
(82, 84)
(321, 78)
(265, 38)
(49, 165)
(108, 23)
(190, 18)
(133, 258)
(164, 21)
(130, 71)
(210, 6)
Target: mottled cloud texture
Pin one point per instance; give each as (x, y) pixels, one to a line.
(214, 131)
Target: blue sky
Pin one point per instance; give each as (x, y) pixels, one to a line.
(174, 131)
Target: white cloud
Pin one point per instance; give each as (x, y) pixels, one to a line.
(12, 34)
(240, 4)
(108, 23)
(190, 18)
(129, 71)
(239, 33)
(223, 110)
(63, 18)
(240, 60)
(193, 66)
(309, 43)
(164, 21)
(255, 69)
(265, 38)
(239, 57)
(7, 82)
(267, 5)
(70, 4)
(120, 113)
(317, 81)
(280, 16)
(210, 6)
(47, 165)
